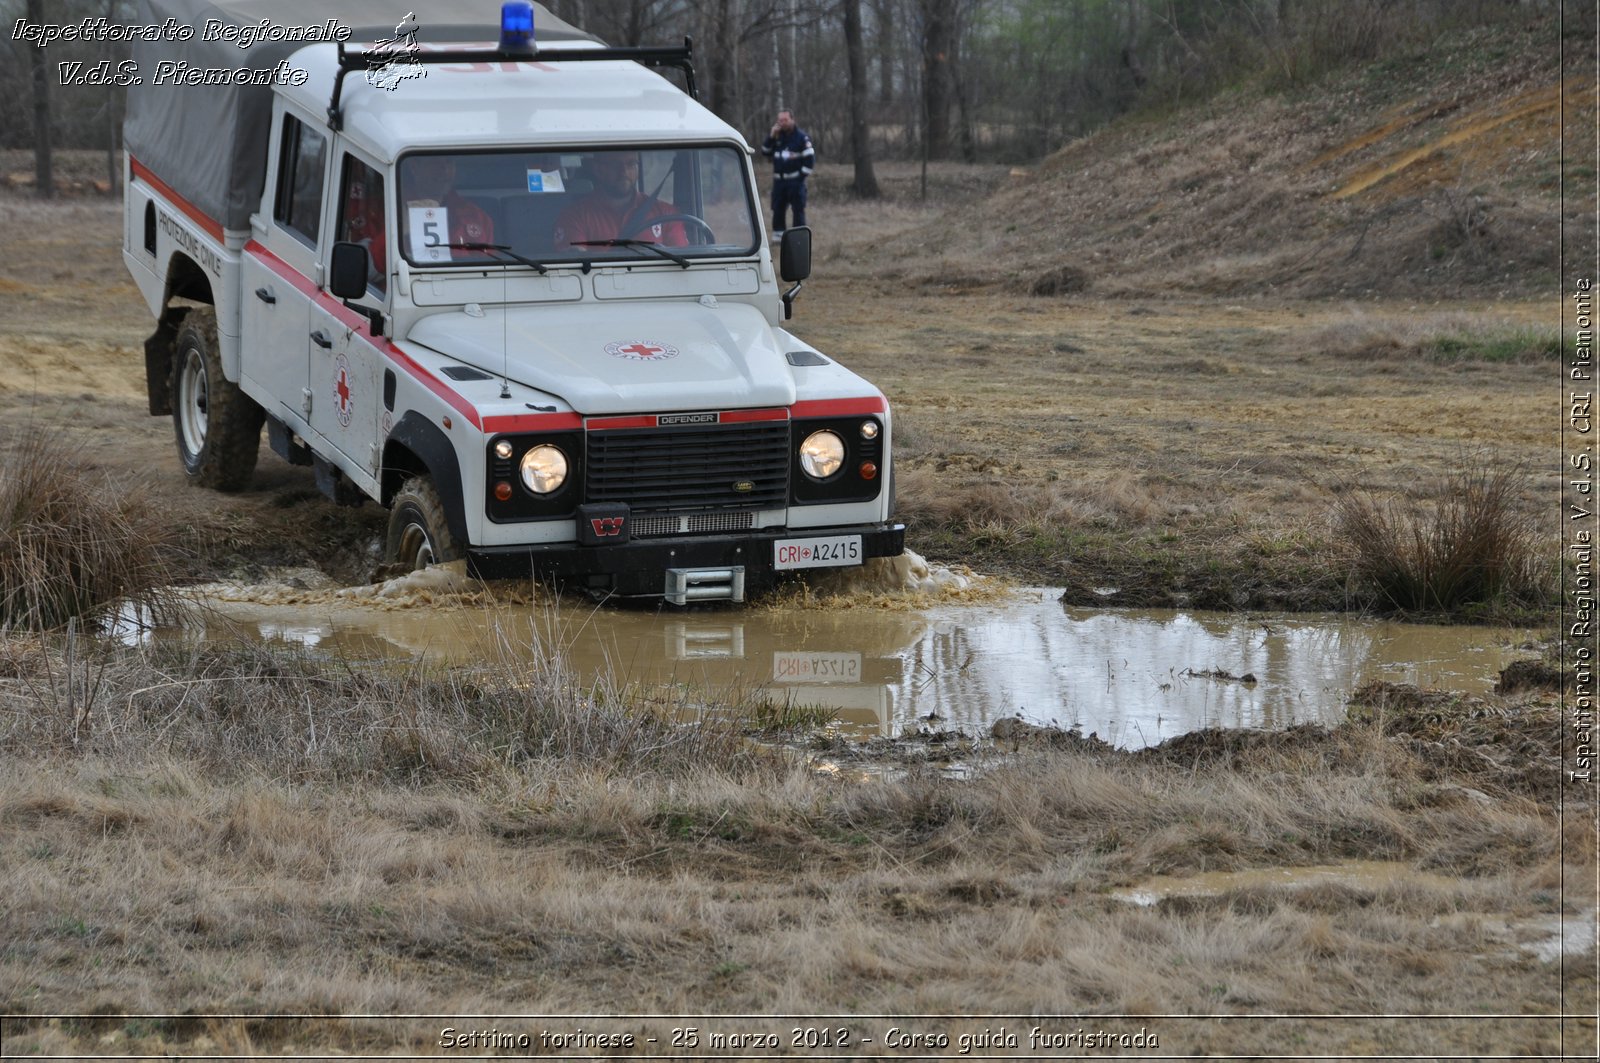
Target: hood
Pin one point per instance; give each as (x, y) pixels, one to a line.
(624, 359)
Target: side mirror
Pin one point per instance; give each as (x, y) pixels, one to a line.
(347, 279)
(794, 263)
(794, 254)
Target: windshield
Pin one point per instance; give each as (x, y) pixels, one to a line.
(653, 203)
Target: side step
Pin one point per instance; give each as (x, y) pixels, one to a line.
(685, 585)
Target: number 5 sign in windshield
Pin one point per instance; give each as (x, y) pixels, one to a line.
(430, 232)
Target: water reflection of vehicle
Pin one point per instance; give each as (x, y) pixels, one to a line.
(854, 663)
(1133, 678)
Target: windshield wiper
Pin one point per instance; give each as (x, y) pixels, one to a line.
(650, 245)
(504, 249)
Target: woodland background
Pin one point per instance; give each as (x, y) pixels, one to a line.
(969, 80)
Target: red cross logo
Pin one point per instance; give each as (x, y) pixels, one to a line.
(341, 392)
(642, 351)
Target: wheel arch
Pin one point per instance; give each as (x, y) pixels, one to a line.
(418, 447)
(185, 280)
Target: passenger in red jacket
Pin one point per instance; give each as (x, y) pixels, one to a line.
(615, 203)
(363, 219)
(429, 181)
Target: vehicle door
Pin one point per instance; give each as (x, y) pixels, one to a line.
(279, 270)
(347, 361)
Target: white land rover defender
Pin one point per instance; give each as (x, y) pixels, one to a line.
(519, 293)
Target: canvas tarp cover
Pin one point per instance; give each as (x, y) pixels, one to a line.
(209, 143)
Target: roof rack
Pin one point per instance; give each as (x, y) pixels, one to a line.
(678, 58)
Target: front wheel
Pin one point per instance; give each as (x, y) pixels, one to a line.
(218, 427)
(419, 534)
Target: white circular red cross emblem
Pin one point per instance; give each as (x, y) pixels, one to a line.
(641, 351)
(342, 398)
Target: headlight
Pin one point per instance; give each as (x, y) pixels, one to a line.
(821, 454)
(544, 469)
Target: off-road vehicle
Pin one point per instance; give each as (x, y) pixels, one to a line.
(378, 249)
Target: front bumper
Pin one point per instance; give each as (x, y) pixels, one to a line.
(641, 566)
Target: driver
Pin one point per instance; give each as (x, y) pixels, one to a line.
(616, 209)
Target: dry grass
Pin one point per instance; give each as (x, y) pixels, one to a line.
(308, 837)
(1043, 438)
(282, 713)
(72, 544)
(1471, 547)
(972, 502)
(1435, 338)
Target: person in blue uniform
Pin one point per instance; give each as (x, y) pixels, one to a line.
(793, 159)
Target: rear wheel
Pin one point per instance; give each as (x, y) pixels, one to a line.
(218, 427)
(419, 535)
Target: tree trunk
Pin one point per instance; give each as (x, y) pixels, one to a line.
(719, 60)
(938, 55)
(113, 125)
(884, 10)
(44, 185)
(968, 138)
(866, 183)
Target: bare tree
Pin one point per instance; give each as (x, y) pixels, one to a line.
(939, 25)
(883, 12)
(44, 185)
(866, 182)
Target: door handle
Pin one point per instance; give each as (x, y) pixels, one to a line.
(266, 296)
(321, 339)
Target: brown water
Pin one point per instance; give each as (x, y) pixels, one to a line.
(1134, 677)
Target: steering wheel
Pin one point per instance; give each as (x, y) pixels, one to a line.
(663, 219)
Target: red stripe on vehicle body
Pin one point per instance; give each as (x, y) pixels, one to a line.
(652, 420)
(594, 424)
(194, 213)
(532, 422)
(356, 322)
(745, 416)
(838, 407)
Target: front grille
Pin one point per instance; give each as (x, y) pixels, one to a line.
(690, 467)
(691, 524)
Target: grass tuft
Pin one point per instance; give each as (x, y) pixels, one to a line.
(73, 545)
(1469, 548)
(1513, 347)
(289, 713)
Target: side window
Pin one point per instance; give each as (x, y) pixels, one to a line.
(361, 218)
(299, 200)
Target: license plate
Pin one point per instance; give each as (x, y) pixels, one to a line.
(816, 667)
(828, 551)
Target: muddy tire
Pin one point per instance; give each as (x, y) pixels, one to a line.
(218, 427)
(419, 535)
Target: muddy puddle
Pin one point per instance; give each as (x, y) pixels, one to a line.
(939, 663)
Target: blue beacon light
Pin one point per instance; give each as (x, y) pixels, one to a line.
(516, 26)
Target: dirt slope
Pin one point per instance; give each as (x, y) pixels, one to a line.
(1434, 176)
